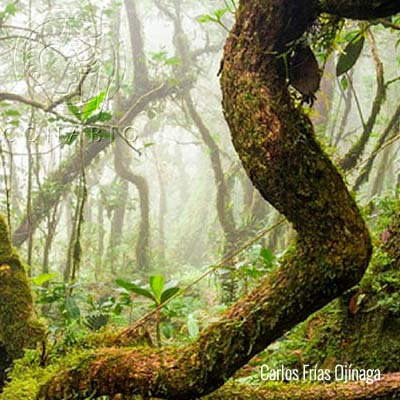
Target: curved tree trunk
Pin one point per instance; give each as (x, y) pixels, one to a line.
(278, 149)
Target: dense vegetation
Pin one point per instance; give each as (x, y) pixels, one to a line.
(155, 244)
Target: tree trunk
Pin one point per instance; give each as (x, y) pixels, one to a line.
(386, 135)
(117, 225)
(19, 328)
(52, 221)
(351, 158)
(162, 209)
(121, 162)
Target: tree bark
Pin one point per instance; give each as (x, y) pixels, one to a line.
(141, 81)
(19, 327)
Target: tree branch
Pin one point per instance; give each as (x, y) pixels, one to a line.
(360, 9)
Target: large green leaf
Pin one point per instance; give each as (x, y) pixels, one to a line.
(171, 284)
(92, 105)
(351, 54)
(131, 287)
(41, 279)
(157, 283)
(167, 294)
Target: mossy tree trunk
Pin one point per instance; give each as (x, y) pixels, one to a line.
(276, 144)
(19, 327)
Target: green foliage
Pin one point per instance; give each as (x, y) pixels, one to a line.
(41, 279)
(92, 105)
(84, 114)
(96, 321)
(217, 15)
(61, 296)
(9, 115)
(352, 52)
(258, 262)
(193, 326)
(157, 290)
(162, 57)
(9, 10)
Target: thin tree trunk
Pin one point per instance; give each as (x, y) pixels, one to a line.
(347, 110)
(29, 193)
(381, 173)
(52, 221)
(162, 211)
(100, 241)
(117, 225)
(385, 136)
(356, 151)
(121, 163)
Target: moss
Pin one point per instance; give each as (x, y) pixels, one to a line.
(27, 376)
(19, 327)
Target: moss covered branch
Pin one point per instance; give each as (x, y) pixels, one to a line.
(360, 9)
